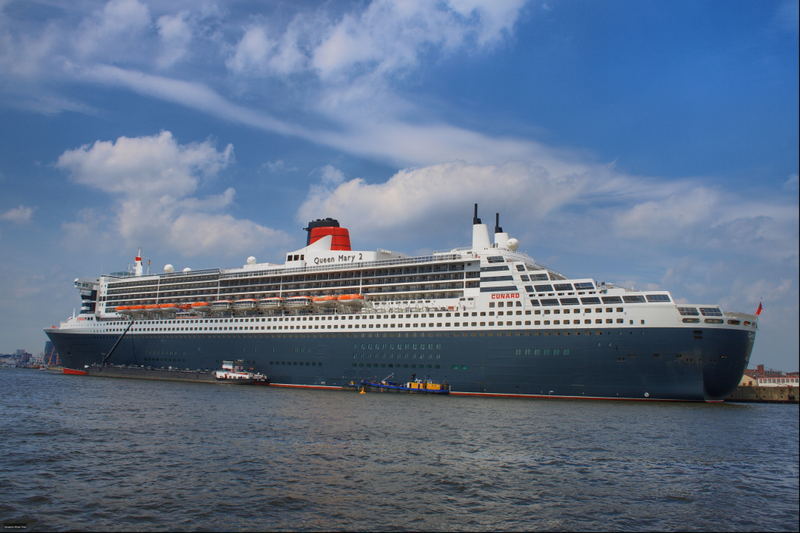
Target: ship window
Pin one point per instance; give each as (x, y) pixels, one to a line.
(539, 277)
(495, 259)
(634, 299)
(658, 298)
(544, 288)
(569, 301)
(494, 268)
(584, 286)
(589, 301)
(710, 311)
(688, 311)
(563, 286)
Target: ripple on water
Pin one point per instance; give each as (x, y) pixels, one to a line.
(123, 454)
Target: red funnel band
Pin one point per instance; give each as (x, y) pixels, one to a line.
(340, 237)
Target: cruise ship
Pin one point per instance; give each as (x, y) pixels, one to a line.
(487, 319)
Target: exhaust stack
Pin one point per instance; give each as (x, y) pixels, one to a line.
(480, 233)
(500, 237)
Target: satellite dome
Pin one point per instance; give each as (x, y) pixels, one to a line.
(169, 268)
(251, 260)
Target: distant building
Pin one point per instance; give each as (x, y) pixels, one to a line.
(23, 357)
(761, 377)
(748, 381)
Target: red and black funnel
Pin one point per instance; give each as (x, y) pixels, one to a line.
(322, 227)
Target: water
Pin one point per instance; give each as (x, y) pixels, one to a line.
(82, 453)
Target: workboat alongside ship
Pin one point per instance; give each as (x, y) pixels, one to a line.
(486, 319)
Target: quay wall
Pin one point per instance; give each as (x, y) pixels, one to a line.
(765, 394)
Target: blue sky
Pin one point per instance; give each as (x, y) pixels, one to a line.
(648, 143)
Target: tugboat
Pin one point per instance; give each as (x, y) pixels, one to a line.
(416, 385)
(234, 372)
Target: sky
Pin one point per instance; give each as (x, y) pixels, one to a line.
(653, 144)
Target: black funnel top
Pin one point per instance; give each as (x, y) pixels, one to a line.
(475, 219)
(320, 223)
(497, 228)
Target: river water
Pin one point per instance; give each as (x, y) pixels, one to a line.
(85, 453)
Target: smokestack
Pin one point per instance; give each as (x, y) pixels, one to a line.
(497, 228)
(475, 219)
(500, 238)
(480, 233)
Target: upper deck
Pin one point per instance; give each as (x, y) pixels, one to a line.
(479, 278)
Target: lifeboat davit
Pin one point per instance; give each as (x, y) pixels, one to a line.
(351, 301)
(220, 305)
(270, 304)
(244, 305)
(297, 303)
(324, 302)
(136, 309)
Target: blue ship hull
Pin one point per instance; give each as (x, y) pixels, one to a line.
(625, 363)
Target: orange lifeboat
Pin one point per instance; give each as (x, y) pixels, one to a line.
(168, 308)
(201, 307)
(351, 301)
(324, 302)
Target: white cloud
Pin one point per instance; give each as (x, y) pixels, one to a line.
(602, 207)
(189, 94)
(154, 180)
(252, 51)
(115, 31)
(175, 34)
(144, 166)
(18, 215)
(23, 56)
(497, 16)
(331, 176)
(385, 37)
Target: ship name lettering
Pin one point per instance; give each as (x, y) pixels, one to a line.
(504, 296)
(342, 258)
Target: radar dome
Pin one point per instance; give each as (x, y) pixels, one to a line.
(169, 268)
(187, 269)
(512, 244)
(251, 260)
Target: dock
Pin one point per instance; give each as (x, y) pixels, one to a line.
(764, 394)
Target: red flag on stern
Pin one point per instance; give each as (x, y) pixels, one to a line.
(760, 308)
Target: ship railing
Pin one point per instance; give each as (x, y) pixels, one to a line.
(121, 275)
(338, 266)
